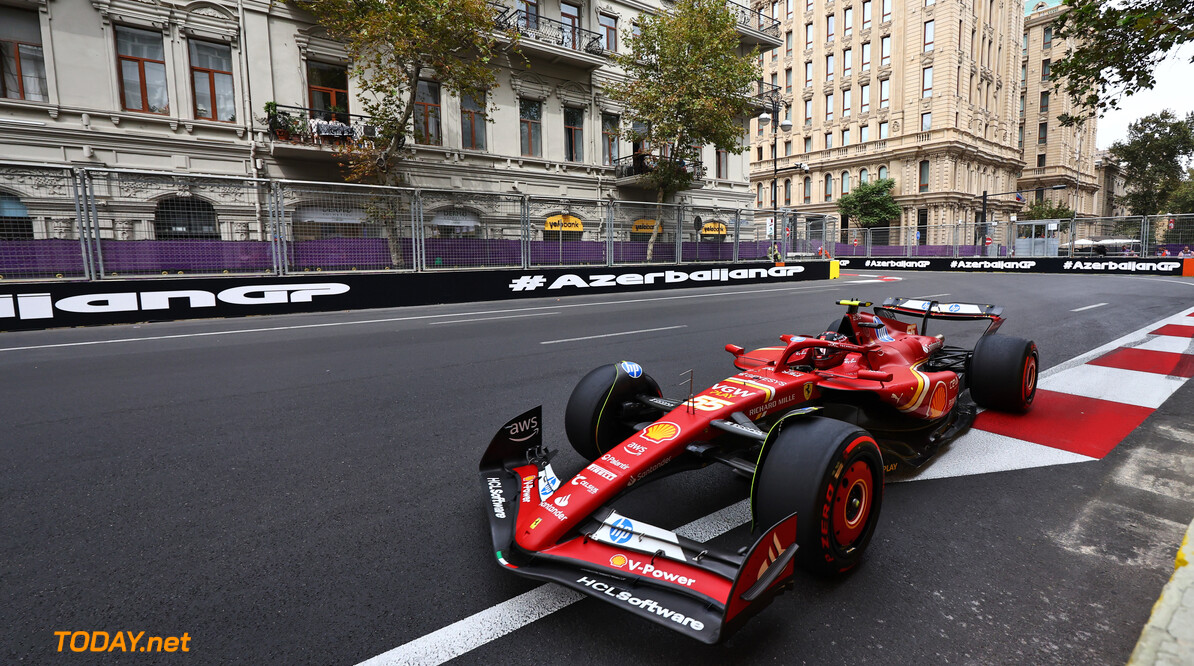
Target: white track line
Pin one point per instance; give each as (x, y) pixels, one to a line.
(1088, 307)
(517, 316)
(496, 621)
(976, 452)
(610, 335)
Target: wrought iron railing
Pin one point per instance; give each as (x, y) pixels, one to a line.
(303, 125)
(642, 163)
(550, 31)
(754, 20)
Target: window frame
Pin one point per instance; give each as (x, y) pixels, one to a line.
(140, 62)
(534, 126)
(469, 139)
(20, 70)
(211, 79)
(929, 29)
(609, 33)
(430, 110)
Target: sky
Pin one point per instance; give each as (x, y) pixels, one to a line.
(1174, 91)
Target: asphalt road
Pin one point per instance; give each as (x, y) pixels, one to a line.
(303, 489)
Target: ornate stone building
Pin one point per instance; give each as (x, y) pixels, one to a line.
(1053, 155)
(924, 91)
(252, 88)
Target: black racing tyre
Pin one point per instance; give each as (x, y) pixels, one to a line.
(595, 419)
(1003, 373)
(831, 474)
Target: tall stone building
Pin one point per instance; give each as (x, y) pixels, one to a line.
(254, 88)
(927, 92)
(1053, 155)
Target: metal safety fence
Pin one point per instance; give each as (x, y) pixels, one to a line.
(93, 223)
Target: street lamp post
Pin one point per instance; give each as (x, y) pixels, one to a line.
(765, 120)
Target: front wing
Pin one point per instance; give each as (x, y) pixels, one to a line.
(648, 571)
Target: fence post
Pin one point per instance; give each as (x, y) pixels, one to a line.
(609, 232)
(1144, 252)
(418, 234)
(93, 224)
(80, 208)
(679, 233)
(525, 236)
(737, 233)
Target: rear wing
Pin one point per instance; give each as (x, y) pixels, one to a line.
(929, 309)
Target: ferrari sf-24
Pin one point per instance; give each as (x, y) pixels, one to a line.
(814, 423)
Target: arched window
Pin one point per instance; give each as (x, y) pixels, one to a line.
(759, 195)
(862, 177)
(845, 183)
(882, 172)
(15, 223)
(185, 218)
(828, 187)
(924, 176)
(808, 189)
(787, 192)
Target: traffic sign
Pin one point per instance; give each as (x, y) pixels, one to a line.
(987, 241)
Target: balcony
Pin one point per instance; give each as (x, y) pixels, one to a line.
(754, 28)
(555, 40)
(304, 128)
(629, 170)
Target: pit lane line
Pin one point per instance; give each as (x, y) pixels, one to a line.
(1088, 307)
(976, 452)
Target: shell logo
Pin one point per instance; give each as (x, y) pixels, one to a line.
(939, 401)
(618, 560)
(661, 432)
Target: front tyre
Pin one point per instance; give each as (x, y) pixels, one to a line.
(1003, 373)
(829, 472)
(598, 416)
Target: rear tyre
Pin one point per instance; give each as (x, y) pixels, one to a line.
(597, 417)
(830, 473)
(1003, 373)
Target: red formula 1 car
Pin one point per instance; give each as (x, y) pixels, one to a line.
(815, 424)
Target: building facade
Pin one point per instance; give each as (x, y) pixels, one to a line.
(926, 92)
(253, 88)
(1054, 155)
(1112, 186)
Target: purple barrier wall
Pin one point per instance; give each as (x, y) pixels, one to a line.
(40, 258)
(188, 256)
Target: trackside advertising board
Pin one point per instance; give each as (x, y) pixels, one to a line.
(30, 306)
(1072, 266)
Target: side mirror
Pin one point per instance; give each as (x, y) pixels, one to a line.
(735, 350)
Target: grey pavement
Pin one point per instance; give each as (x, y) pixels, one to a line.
(1168, 638)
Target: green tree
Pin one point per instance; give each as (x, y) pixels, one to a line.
(1181, 205)
(392, 44)
(870, 204)
(1046, 210)
(1152, 157)
(686, 87)
(1115, 49)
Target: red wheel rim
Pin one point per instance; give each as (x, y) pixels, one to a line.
(852, 503)
(1029, 378)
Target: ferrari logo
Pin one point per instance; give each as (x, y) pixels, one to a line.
(808, 390)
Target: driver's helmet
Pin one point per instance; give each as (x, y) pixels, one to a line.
(827, 358)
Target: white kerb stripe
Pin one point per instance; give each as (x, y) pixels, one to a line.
(1132, 387)
(980, 452)
(1169, 343)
